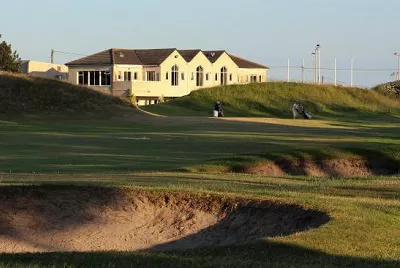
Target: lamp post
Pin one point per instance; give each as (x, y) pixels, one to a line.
(317, 63)
(314, 69)
(318, 51)
(335, 72)
(398, 70)
(351, 71)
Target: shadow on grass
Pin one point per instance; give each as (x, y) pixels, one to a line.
(260, 254)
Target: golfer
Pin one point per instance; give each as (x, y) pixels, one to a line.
(295, 110)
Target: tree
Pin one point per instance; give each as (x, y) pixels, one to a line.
(132, 97)
(9, 60)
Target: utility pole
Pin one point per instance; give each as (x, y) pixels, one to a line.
(302, 71)
(288, 70)
(398, 70)
(319, 64)
(52, 56)
(313, 67)
(335, 72)
(351, 71)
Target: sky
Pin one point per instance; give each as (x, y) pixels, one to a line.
(264, 31)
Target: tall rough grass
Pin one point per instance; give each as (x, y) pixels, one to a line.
(276, 99)
(23, 94)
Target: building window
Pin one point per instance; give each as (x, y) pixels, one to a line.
(150, 76)
(135, 76)
(119, 75)
(260, 79)
(199, 76)
(192, 76)
(253, 78)
(224, 76)
(207, 76)
(94, 78)
(230, 77)
(105, 78)
(183, 76)
(166, 76)
(174, 75)
(127, 76)
(216, 77)
(83, 78)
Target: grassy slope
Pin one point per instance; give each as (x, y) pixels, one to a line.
(275, 99)
(26, 95)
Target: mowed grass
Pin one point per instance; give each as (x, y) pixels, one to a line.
(134, 143)
(99, 142)
(363, 231)
(145, 152)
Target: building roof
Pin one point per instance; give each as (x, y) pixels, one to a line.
(242, 63)
(125, 56)
(189, 54)
(101, 58)
(213, 55)
(155, 57)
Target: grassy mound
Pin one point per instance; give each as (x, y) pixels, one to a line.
(276, 98)
(22, 94)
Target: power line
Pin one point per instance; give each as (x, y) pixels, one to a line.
(62, 52)
(68, 53)
(331, 79)
(338, 69)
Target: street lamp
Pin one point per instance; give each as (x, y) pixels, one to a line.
(398, 70)
(314, 69)
(318, 53)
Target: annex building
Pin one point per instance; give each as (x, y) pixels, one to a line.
(153, 74)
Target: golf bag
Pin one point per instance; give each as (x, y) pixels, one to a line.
(305, 114)
(218, 111)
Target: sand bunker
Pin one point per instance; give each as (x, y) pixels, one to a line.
(58, 219)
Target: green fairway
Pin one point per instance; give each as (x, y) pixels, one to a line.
(68, 139)
(127, 152)
(147, 143)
